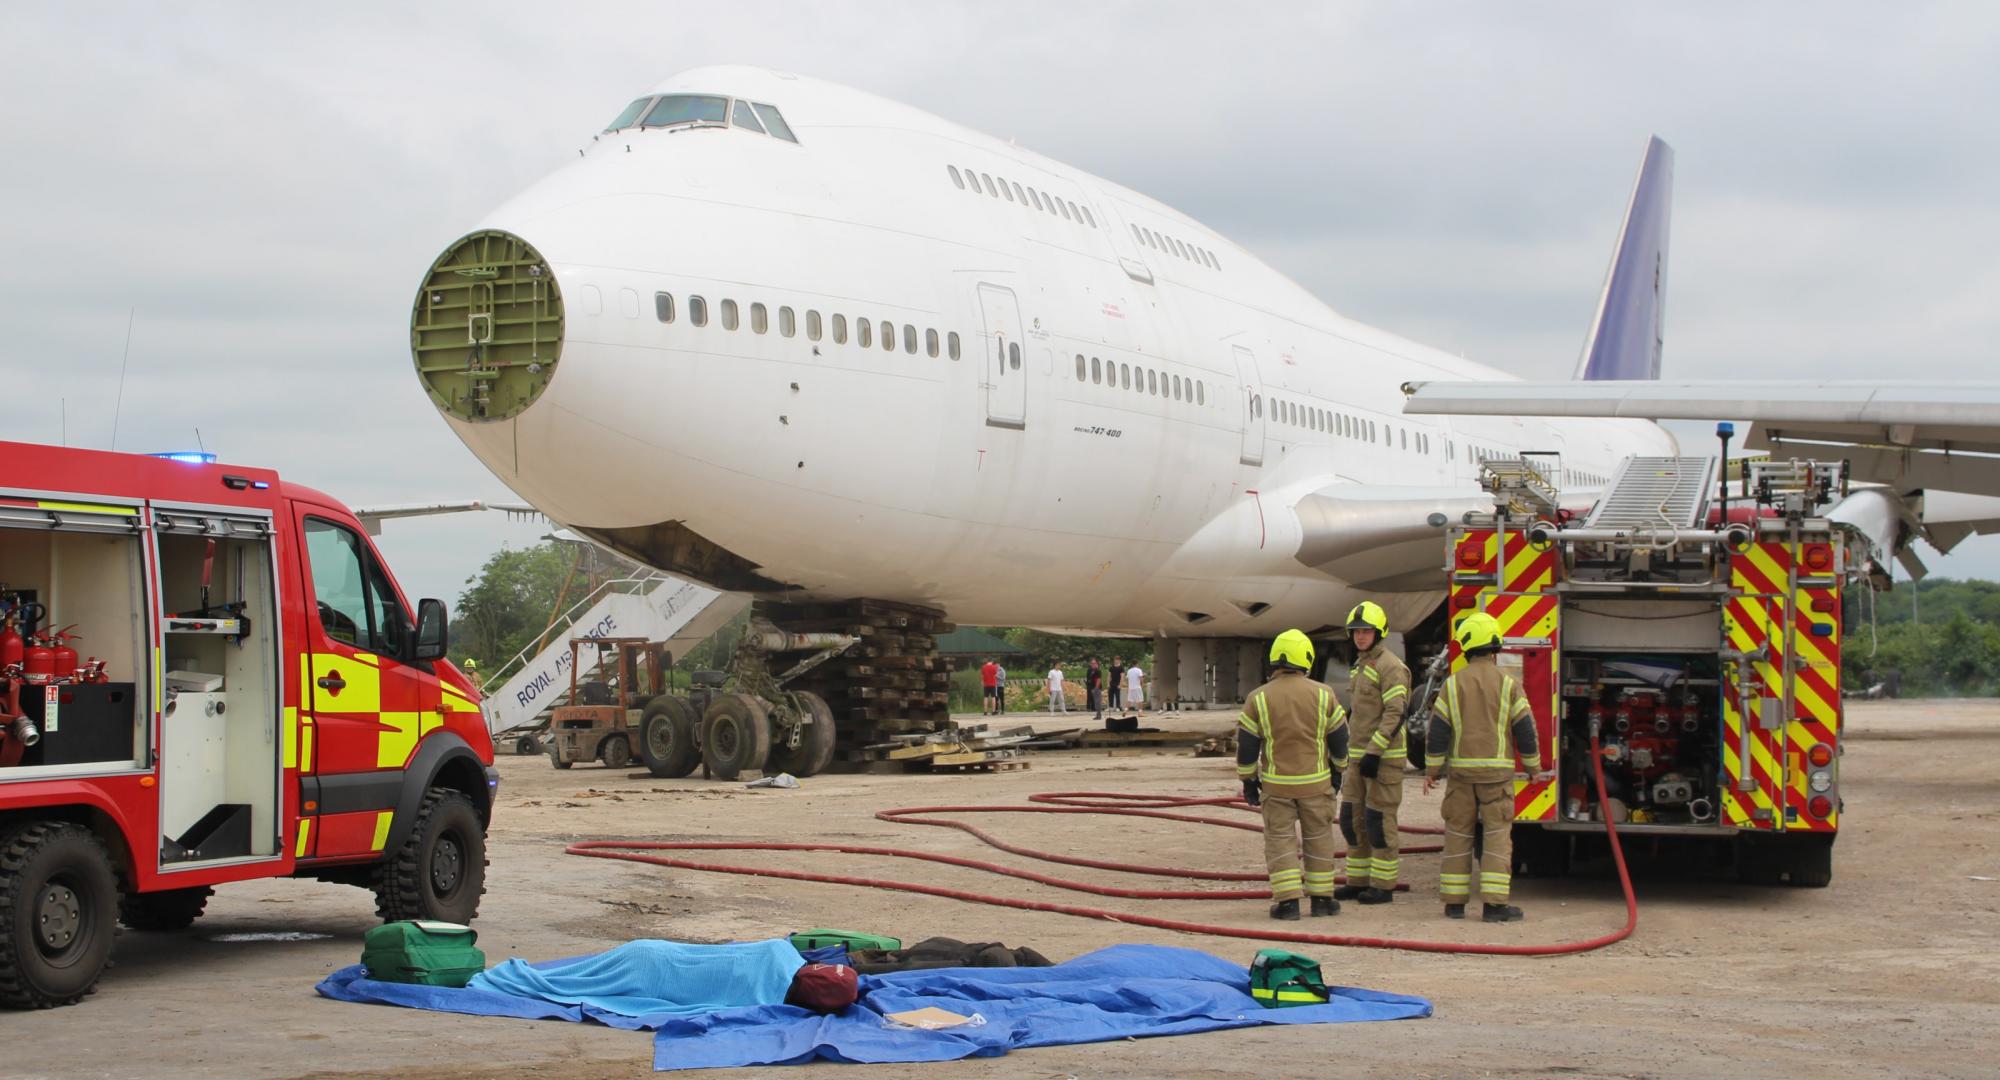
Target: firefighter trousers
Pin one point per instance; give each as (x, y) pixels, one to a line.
(1368, 823)
(1484, 812)
(1293, 824)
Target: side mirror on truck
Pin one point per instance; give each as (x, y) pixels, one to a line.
(431, 635)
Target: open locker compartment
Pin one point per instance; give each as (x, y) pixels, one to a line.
(220, 740)
(79, 565)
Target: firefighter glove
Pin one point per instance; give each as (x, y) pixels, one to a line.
(1371, 764)
(1253, 791)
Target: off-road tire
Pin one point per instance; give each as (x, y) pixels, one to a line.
(174, 909)
(556, 758)
(423, 880)
(815, 749)
(45, 867)
(615, 751)
(528, 746)
(735, 736)
(667, 739)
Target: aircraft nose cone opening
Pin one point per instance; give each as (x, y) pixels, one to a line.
(486, 330)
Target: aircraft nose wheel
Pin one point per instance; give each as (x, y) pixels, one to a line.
(58, 918)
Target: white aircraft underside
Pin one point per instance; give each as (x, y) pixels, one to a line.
(1261, 477)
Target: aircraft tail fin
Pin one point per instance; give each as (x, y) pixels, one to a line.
(1627, 334)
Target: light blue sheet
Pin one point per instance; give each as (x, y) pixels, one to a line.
(655, 978)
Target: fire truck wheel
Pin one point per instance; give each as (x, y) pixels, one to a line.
(615, 751)
(440, 871)
(58, 913)
(815, 749)
(667, 737)
(174, 909)
(736, 735)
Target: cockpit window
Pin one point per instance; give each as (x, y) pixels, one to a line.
(775, 124)
(630, 115)
(688, 109)
(685, 110)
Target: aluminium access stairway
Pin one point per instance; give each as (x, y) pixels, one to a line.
(658, 607)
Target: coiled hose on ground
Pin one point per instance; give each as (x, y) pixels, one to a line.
(1111, 803)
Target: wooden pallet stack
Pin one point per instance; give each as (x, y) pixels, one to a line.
(891, 683)
(974, 748)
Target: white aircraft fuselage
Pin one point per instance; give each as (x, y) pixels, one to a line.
(1135, 415)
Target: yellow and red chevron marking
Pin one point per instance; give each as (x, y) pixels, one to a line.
(1747, 623)
(1534, 800)
(1816, 699)
(1528, 569)
(1472, 555)
(1522, 615)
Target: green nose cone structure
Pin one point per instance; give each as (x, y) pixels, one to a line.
(487, 327)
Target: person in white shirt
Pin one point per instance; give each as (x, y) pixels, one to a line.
(1000, 703)
(1135, 689)
(1056, 702)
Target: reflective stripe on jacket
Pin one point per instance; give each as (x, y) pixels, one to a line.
(1290, 732)
(1482, 720)
(1378, 690)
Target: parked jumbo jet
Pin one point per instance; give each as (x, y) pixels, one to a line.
(771, 333)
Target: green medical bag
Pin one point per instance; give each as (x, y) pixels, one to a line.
(855, 942)
(423, 952)
(1280, 979)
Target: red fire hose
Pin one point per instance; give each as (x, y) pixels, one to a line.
(1100, 802)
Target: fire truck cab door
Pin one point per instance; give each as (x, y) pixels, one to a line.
(369, 704)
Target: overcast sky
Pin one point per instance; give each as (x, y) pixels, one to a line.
(266, 189)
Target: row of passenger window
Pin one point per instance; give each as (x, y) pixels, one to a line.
(1015, 193)
(1313, 418)
(1171, 246)
(1141, 379)
(866, 331)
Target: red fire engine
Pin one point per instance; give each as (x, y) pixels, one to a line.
(1697, 638)
(255, 699)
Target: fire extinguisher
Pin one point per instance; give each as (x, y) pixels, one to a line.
(12, 648)
(38, 663)
(62, 662)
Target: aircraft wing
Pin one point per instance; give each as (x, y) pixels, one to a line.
(1941, 435)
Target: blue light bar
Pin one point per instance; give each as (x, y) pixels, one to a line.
(188, 457)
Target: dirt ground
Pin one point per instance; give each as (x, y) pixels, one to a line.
(1894, 971)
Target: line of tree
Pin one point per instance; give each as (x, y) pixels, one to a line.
(1935, 638)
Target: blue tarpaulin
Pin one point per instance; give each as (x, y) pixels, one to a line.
(1123, 991)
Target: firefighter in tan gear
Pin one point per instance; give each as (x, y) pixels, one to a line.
(1378, 690)
(1292, 734)
(1481, 720)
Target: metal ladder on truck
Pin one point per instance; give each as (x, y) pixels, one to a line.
(652, 605)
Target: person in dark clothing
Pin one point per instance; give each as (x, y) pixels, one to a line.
(1093, 685)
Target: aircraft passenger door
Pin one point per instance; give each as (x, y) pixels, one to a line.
(1251, 404)
(1005, 374)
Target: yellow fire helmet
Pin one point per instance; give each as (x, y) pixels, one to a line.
(1368, 615)
(1294, 649)
(1477, 632)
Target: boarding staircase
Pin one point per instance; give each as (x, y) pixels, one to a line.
(651, 605)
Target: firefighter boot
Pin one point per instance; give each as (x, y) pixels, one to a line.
(1349, 892)
(1502, 913)
(1372, 895)
(1454, 911)
(1324, 905)
(1286, 910)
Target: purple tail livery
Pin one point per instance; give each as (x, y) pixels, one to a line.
(1627, 334)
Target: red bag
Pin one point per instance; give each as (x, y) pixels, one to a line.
(823, 988)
